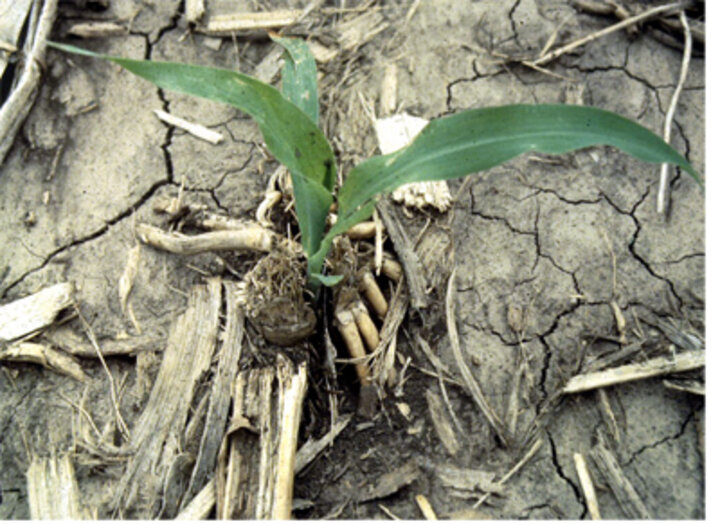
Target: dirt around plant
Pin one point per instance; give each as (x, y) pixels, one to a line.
(548, 253)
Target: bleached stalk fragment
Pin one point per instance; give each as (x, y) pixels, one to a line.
(253, 237)
(653, 367)
(194, 129)
(587, 486)
(53, 492)
(34, 312)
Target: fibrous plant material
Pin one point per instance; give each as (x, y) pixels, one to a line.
(220, 394)
(425, 507)
(391, 482)
(254, 479)
(45, 356)
(662, 195)
(676, 363)
(97, 29)
(158, 430)
(227, 24)
(53, 492)
(626, 495)
(312, 448)
(40, 17)
(441, 422)
(28, 315)
(65, 338)
(465, 372)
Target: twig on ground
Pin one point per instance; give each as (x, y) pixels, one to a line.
(113, 392)
(685, 361)
(650, 13)
(425, 507)
(467, 376)
(45, 356)
(663, 194)
(312, 448)
(30, 314)
(587, 486)
(194, 129)
(517, 467)
(441, 423)
(629, 500)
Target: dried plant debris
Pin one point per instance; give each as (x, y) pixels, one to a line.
(156, 436)
(675, 363)
(396, 132)
(39, 18)
(312, 448)
(65, 338)
(220, 394)
(441, 422)
(45, 356)
(28, 315)
(255, 476)
(273, 297)
(391, 482)
(53, 492)
(626, 495)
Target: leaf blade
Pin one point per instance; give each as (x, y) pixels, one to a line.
(299, 76)
(479, 139)
(290, 135)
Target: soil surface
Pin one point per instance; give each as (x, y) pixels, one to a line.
(542, 248)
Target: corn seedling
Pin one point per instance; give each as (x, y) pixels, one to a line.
(447, 148)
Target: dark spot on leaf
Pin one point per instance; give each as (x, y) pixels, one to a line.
(298, 154)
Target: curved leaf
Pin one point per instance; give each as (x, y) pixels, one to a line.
(479, 139)
(291, 136)
(299, 76)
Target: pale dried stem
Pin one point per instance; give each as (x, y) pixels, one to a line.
(253, 237)
(194, 129)
(587, 486)
(663, 195)
(650, 13)
(653, 367)
(113, 393)
(425, 507)
(97, 29)
(351, 336)
(524, 460)
(367, 327)
(30, 314)
(200, 507)
(467, 376)
(46, 357)
(312, 448)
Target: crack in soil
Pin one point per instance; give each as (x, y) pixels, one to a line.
(664, 440)
(561, 474)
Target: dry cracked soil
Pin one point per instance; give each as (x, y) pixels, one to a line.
(557, 242)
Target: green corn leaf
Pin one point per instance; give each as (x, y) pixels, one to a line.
(479, 139)
(299, 76)
(291, 136)
(327, 280)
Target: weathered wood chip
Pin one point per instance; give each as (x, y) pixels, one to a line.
(53, 492)
(32, 313)
(468, 479)
(629, 500)
(391, 482)
(220, 395)
(186, 359)
(46, 357)
(442, 422)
